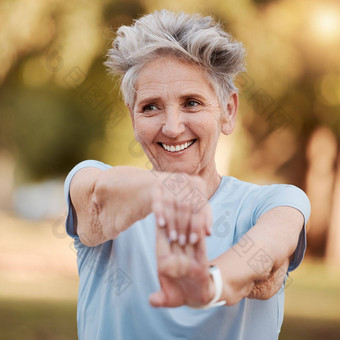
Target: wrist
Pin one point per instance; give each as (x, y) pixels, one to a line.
(216, 288)
(212, 288)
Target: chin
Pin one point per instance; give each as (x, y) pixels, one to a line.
(185, 168)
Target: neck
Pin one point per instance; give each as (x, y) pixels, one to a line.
(212, 179)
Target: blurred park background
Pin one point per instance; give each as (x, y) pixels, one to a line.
(58, 107)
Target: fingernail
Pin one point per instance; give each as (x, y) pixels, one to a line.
(173, 235)
(193, 238)
(161, 222)
(182, 239)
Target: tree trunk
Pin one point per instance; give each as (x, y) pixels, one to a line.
(333, 241)
(321, 154)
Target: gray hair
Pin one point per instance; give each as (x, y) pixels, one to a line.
(192, 38)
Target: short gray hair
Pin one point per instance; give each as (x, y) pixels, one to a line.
(192, 38)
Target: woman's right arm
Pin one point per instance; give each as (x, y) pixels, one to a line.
(106, 202)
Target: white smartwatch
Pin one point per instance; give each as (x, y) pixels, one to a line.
(217, 277)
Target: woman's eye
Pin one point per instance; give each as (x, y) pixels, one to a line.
(192, 103)
(149, 107)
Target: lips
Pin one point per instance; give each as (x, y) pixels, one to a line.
(177, 147)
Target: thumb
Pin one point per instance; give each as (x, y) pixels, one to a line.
(157, 299)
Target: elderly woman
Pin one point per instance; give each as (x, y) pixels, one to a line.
(146, 239)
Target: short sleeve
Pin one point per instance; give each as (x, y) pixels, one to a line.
(285, 195)
(67, 184)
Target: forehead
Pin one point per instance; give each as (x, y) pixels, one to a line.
(171, 76)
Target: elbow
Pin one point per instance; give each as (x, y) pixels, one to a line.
(266, 289)
(234, 293)
(90, 231)
(262, 291)
(94, 230)
(105, 222)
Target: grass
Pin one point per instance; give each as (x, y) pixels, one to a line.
(312, 303)
(314, 292)
(38, 288)
(56, 320)
(35, 320)
(310, 329)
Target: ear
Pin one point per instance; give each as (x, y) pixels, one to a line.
(229, 116)
(133, 121)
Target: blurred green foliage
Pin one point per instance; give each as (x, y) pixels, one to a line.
(56, 102)
(58, 106)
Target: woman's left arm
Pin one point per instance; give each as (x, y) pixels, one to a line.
(256, 266)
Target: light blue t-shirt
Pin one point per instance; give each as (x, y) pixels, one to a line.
(117, 277)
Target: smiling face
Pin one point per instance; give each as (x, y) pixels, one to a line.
(177, 117)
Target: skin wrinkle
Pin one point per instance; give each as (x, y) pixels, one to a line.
(95, 226)
(261, 289)
(264, 289)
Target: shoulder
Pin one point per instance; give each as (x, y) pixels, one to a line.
(258, 199)
(237, 186)
(82, 165)
(90, 163)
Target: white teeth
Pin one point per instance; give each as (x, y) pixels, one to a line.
(177, 148)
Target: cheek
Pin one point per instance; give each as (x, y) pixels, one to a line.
(207, 130)
(144, 131)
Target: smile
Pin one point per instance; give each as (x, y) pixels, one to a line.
(177, 148)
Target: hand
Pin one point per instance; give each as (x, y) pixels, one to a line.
(183, 220)
(183, 273)
(181, 206)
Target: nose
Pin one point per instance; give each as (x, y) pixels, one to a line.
(173, 125)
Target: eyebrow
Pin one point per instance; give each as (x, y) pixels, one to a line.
(158, 98)
(147, 100)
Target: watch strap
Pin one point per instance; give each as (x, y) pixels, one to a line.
(218, 281)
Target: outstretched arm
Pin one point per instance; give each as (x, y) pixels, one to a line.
(253, 268)
(108, 202)
(257, 265)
